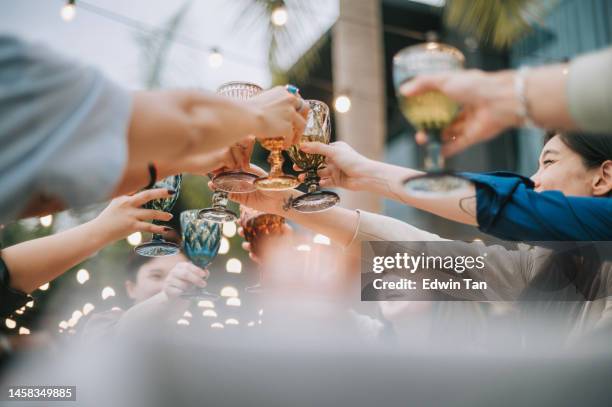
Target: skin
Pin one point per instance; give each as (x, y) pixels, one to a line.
(178, 129)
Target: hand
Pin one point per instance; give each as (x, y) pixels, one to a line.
(278, 116)
(125, 215)
(182, 278)
(344, 167)
(287, 231)
(489, 105)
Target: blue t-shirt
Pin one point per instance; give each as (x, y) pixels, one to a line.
(509, 208)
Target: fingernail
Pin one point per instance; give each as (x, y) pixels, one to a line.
(171, 191)
(171, 215)
(167, 229)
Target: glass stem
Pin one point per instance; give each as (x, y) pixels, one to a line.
(275, 159)
(312, 180)
(434, 161)
(219, 200)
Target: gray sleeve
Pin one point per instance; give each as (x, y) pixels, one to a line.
(63, 129)
(589, 88)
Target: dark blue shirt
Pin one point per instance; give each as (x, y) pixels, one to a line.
(509, 208)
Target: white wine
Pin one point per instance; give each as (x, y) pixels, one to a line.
(429, 111)
(272, 144)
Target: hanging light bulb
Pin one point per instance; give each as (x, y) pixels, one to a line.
(215, 58)
(82, 276)
(134, 239)
(187, 314)
(30, 304)
(279, 15)
(209, 313)
(63, 325)
(233, 302)
(233, 266)
(10, 323)
(251, 324)
(303, 248)
(225, 246)
(321, 239)
(46, 221)
(24, 331)
(182, 322)
(216, 325)
(229, 291)
(87, 308)
(342, 104)
(108, 292)
(68, 11)
(231, 321)
(229, 229)
(206, 304)
(44, 287)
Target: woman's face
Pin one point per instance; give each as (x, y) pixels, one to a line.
(562, 169)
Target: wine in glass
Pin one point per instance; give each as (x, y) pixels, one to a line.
(201, 242)
(157, 246)
(431, 112)
(259, 230)
(318, 128)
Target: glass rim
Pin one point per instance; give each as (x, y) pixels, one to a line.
(426, 47)
(230, 83)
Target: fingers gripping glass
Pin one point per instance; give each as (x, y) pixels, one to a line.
(201, 242)
(318, 128)
(157, 246)
(430, 112)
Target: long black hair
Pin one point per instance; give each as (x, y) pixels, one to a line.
(594, 149)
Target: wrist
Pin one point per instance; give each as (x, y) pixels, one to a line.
(505, 100)
(100, 232)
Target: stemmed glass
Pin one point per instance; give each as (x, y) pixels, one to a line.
(235, 181)
(157, 246)
(201, 241)
(431, 111)
(318, 128)
(258, 228)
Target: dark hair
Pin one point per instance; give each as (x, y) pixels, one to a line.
(594, 149)
(134, 263)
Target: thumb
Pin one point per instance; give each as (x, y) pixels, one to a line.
(317, 148)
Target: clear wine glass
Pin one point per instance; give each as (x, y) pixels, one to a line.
(157, 246)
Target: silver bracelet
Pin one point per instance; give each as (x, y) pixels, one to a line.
(519, 89)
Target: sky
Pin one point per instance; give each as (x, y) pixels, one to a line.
(112, 46)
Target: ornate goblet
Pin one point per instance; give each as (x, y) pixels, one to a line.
(201, 242)
(431, 111)
(157, 246)
(318, 128)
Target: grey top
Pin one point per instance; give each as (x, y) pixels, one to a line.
(63, 129)
(589, 89)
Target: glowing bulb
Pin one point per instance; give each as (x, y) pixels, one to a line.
(182, 322)
(30, 304)
(229, 291)
(229, 229)
(342, 104)
(231, 321)
(216, 325)
(108, 292)
(44, 287)
(233, 302)
(233, 266)
(279, 16)
(10, 324)
(46, 221)
(68, 11)
(215, 58)
(206, 304)
(321, 239)
(19, 311)
(87, 308)
(251, 323)
(134, 239)
(72, 322)
(76, 315)
(63, 325)
(115, 309)
(225, 246)
(260, 312)
(303, 248)
(24, 331)
(209, 313)
(188, 314)
(82, 276)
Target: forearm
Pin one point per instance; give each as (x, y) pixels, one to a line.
(152, 308)
(38, 261)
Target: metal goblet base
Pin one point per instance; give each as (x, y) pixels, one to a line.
(315, 201)
(277, 183)
(437, 184)
(199, 294)
(218, 215)
(157, 248)
(235, 182)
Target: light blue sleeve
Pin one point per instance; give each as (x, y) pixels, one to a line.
(63, 129)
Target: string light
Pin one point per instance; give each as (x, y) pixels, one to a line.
(30, 304)
(231, 321)
(134, 239)
(216, 325)
(44, 287)
(24, 331)
(68, 11)
(279, 15)
(76, 315)
(303, 248)
(206, 304)
(260, 312)
(251, 324)
(229, 229)
(63, 325)
(225, 246)
(82, 276)
(46, 221)
(10, 323)
(321, 239)
(342, 104)
(229, 291)
(108, 292)
(87, 308)
(233, 266)
(215, 58)
(188, 314)
(209, 313)
(182, 322)
(233, 302)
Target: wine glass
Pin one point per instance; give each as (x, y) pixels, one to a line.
(431, 112)
(201, 242)
(235, 181)
(318, 128)
(157, 246)
(258, 228)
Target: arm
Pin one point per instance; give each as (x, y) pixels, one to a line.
(33, 263)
